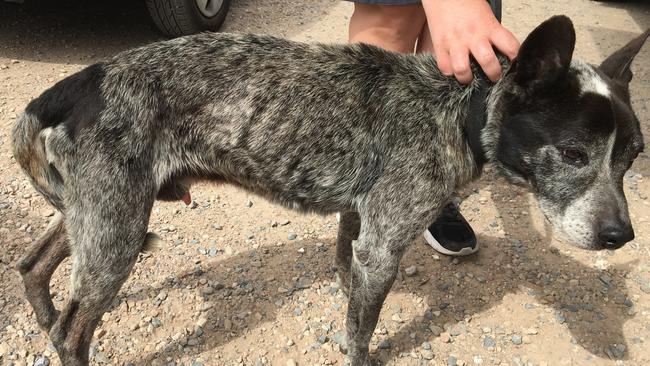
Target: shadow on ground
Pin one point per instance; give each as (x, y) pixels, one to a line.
(81, 32)
(639, 10)
(520, 262)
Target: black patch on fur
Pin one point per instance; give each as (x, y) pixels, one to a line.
(75, 101)
(476, 120)
(560, 118)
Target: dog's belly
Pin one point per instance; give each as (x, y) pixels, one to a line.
(305, 160)
(301, 180)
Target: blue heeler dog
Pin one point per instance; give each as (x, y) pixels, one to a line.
(384, 138)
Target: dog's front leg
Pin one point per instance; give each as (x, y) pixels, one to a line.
(389, 222)
(373, 270)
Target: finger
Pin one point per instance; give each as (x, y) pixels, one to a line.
(460, 64)
(485, 56)
(442, 58)
(505, 42)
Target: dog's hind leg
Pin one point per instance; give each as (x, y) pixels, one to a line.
(37, 267)
(349, 225)
(107, 231)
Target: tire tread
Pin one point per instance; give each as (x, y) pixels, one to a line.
(178, 17)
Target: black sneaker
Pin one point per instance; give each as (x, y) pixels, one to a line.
(451, 234)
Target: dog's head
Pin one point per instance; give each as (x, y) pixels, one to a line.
(567, 129)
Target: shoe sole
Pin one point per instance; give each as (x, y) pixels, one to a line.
(439, 248)
(435, 245)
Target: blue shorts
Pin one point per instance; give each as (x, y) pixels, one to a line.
(494, 4)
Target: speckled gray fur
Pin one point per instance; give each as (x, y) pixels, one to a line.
(378, 136)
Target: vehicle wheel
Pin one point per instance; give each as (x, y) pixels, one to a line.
(182, 17)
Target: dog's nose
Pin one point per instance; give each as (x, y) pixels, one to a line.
(614, 236)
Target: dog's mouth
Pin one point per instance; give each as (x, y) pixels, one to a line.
(611, 245)
(564, 239)
(594, 245)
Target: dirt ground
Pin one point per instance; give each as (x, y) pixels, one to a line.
(241, 281)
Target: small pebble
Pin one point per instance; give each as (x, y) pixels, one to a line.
(445, 337)
(616, 351)
(411, 271)
(452, 361)
(435, 330)
(384, 344)
(42, 361)
(428, 355)
(489, 342)
(338, 337)
(100, 357)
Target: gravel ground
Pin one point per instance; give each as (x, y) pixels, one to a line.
(240, 281)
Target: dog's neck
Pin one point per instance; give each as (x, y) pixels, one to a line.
(477, 118)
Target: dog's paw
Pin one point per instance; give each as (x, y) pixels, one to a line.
(359, 361)
(341, 281)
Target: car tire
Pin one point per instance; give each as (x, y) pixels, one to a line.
(177, 18)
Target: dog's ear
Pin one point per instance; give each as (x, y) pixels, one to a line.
(545, 55)
(617, 66)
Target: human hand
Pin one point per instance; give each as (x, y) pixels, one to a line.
(462, 27)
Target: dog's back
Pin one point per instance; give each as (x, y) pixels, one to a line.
(310, 126)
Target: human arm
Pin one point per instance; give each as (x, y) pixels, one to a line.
(462, 27)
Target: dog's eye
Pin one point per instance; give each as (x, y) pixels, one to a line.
(574, 156)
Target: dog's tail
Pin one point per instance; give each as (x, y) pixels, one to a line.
(43, 135)
(29, 137)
